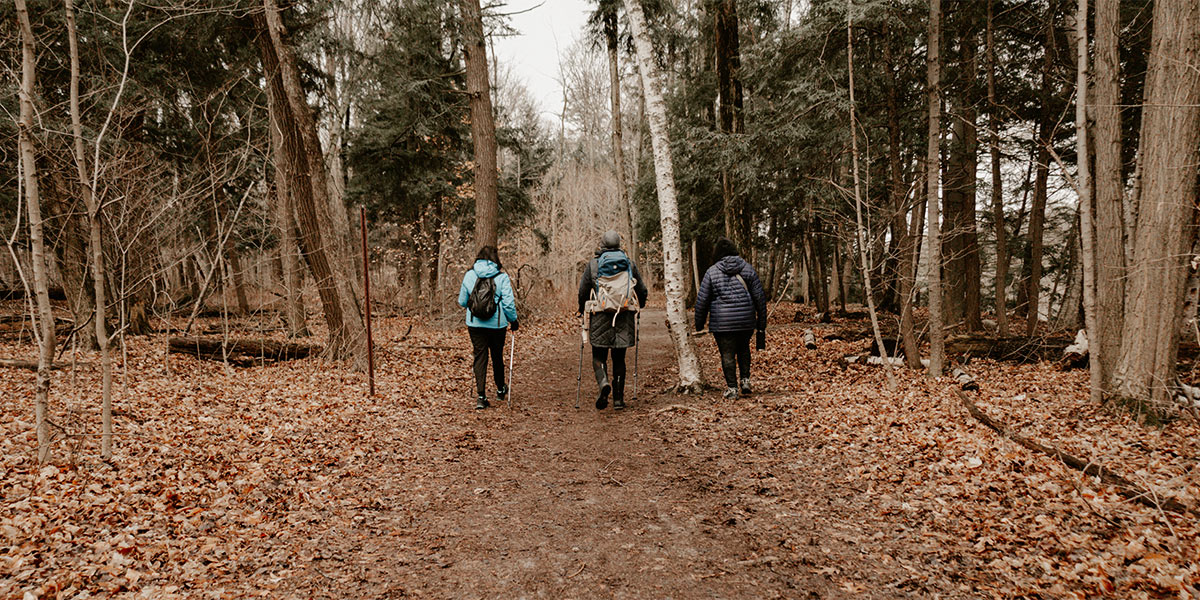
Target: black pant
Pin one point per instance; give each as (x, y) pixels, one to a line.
(484, 340)
(735, 354)
(600, 363)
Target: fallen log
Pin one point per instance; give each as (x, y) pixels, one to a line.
(810, 340)
(242, 352)
(964, 379)
(1075, 356)
(32, 365)
(1017, 349)
(1125, 487)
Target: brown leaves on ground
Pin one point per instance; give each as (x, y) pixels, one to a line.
(994, 518)
(220, 474)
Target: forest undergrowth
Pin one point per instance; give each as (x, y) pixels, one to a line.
(220, 473)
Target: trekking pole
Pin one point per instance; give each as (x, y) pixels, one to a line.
(637, 345)
(512, 366)
(579, 377)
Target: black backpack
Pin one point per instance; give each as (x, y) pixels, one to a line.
(482, 301)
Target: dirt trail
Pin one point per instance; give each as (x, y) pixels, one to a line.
(551, 502)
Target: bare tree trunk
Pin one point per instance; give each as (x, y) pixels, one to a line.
(285, 223)
(483, 125)
(347, 339)
(1168, 154)
(912, 345)
(41, 280)
(690, 378)
(937, 350)
(858, 203)
(997, 183)
(1095, 352)
(614, 80)
(1109, 188)
(727, 56)
(94, 241)
(1037, 218)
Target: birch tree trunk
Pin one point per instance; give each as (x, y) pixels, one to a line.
(94, 240)
(690, 379)
(1109, 188)
(1145, 372)
(937, 350)
(41, 281)
(483, 126)
(1087, 234)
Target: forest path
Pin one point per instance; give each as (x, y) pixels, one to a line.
(542, 500)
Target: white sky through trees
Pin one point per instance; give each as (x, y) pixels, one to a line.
(544, 28)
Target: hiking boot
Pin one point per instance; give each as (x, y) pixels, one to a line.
(618, 393)
(481, 403)
(731, 393)
(745, 386)
(602, 401)
(502, 394)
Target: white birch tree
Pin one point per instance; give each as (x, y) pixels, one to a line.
(664, 173)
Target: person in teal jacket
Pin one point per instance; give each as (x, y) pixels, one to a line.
(487, 335)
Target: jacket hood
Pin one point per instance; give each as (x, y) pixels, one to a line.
(486, 268)
(731, 265)
(600, 251)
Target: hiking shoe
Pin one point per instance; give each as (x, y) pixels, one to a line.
(731, 393)
(502, 394)
(602, 401)
(745, 386)
(618, 393)
(481, 403)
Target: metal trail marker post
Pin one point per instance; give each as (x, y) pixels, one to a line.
(367, 303)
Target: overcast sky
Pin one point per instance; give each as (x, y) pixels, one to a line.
(542, 33)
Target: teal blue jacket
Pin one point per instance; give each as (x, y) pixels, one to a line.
(506, 303)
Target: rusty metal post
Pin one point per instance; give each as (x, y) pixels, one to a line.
(367, 294)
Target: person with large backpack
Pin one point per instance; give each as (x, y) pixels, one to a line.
(611, 292)
(487, 294)
(731, 300)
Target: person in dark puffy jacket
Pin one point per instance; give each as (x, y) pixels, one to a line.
(609, 332)
(487, 335)
(732, 302)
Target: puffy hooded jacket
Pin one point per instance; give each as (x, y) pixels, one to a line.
(506, 304)
(727, 306)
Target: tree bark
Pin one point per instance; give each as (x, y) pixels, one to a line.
(656, 111)
(285, 224)
(1109, 188)
(41, 279)
(1168, 155)
(961, 245)
(483, 125)
(936, 334)
(347, 339)
(1086, 228)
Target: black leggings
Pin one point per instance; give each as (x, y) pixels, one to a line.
(735, 355)
(600, 363)
(483, 341)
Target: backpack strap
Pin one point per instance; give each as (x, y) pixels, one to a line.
(744, 286)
